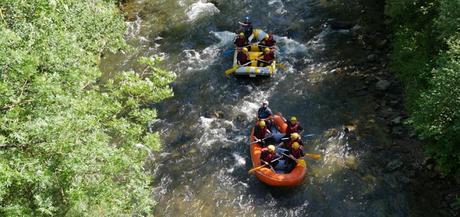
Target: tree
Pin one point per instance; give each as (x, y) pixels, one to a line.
(70, 145)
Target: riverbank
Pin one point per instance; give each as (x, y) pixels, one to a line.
(405, 153)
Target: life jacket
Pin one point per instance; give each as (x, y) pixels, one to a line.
(243, 58)
(292, 128)
(260, 133)
(240, 42)
(297, 153)
(288, 145)
(267, 156)
(267, 57)
(269, 42)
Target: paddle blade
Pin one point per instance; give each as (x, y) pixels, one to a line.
(231, 70)
(255, 169)
(313, 156)
(280, 65)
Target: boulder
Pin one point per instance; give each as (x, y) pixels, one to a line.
(394, 165)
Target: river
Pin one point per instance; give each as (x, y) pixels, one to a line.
(202, 169)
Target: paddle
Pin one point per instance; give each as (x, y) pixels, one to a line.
(260, 140)
(266, 164)
(234, 68)
(313, 156)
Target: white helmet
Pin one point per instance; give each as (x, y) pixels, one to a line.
(265, 102)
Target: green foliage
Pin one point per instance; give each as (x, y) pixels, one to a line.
(426, 56)
(69, 146)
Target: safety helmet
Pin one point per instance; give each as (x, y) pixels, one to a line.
(295, 145)
(241, 34)
(266, 50)
(295, 136)
(265, 102)
(271, 148)
(247, 18)
(293, 119)
(262, 123)
(266, 36)
(245, 50)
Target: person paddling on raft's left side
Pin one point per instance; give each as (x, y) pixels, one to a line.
(261, 132)
(268, 156)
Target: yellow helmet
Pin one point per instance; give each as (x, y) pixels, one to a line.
(293, 119)
(271, 148)
(241, 34)
(295, 145)
(245, 50)
(295, 136)
(266, 37)
(266, 50)
(262, 124)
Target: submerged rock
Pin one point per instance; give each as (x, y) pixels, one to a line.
(394, 165)
(382, 85)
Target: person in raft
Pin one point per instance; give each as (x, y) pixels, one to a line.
(240, 41)
(295, 137)
(267, 58)
(265, 113)
(243, 57)
(267, 42)
(294, 153)
(269, 156)
(246, 25)
(261, 133)
(293, 126)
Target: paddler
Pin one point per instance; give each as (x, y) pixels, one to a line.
(267, 42)
(261, 132)
(293, 126)
(294, 153)
(267, 58)
(295, 137)
(240, 41)
(269, 156)
(243, 56)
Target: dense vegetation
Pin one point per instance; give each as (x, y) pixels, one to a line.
(426, 56)
(70, 145)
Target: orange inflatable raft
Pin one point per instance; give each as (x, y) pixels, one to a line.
(266, 175)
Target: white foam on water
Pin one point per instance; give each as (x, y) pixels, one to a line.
(133, 28)
(201, 60)
(240, 161)
(289, 46)
(200, 9)
(280, 9)
(213, 131)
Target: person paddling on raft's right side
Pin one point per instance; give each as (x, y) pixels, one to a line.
(267, 58)
(293, 126)
(295, 153)
(267, 42)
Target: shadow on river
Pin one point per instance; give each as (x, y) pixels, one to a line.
(334, 79)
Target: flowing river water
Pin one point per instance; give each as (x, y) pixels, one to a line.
(202, 169)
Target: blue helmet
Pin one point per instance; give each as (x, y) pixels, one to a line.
(247, 18)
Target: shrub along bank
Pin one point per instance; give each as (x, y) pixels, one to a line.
(68, 144)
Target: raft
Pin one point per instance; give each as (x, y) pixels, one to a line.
(252, 70)
(266, 175)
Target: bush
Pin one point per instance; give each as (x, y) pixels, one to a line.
(68, 144)
(426, 55)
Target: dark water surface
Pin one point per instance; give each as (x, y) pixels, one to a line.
(202, 170)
